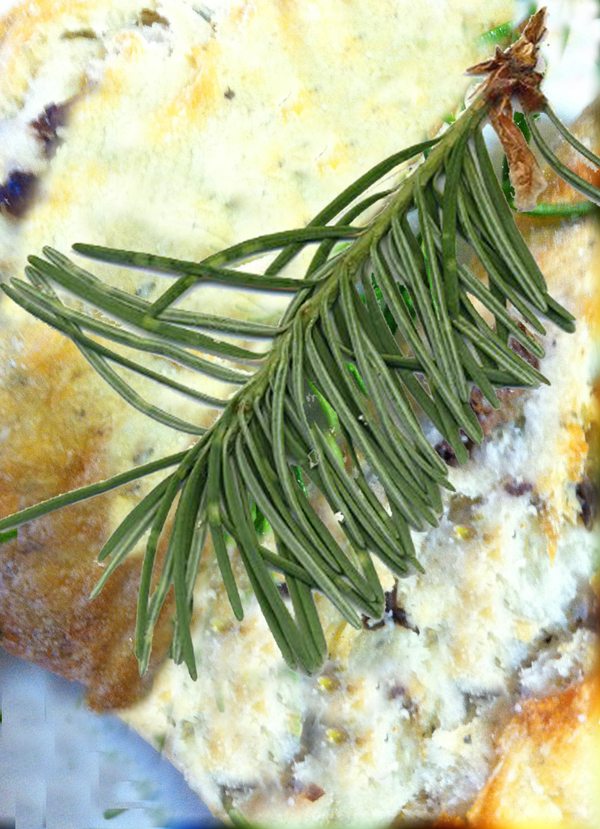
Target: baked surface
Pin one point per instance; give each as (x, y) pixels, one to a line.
(188, 128)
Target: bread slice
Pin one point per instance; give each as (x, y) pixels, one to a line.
(185, 128)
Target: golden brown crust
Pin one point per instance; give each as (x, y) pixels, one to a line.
(548, 769)
(47, 575)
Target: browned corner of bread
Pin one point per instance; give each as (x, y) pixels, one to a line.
(548, 765)
(57, 443)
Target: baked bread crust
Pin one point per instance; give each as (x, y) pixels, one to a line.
(547, 773)
(47, 576)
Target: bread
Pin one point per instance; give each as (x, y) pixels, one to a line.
(182, 134)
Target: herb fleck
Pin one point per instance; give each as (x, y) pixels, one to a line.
(109, 814)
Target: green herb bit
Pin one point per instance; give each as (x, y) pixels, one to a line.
(562, 210)
(109, 814)
(503, 34)
(261, 525)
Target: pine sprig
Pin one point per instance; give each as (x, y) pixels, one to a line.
(383, 334)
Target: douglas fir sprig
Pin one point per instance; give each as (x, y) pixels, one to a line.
(387, 331)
